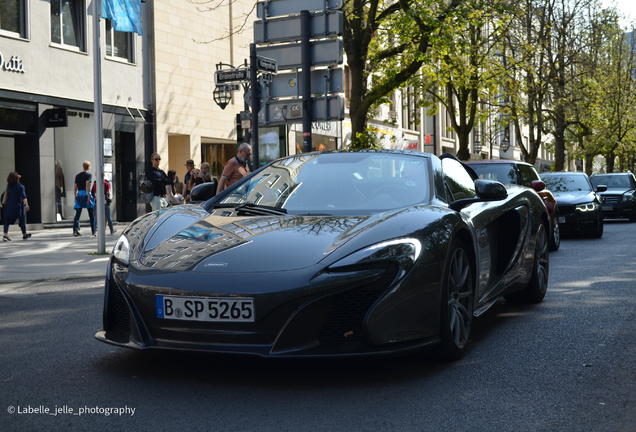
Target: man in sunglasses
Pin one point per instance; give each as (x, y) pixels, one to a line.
(235, 168)
(159, 181)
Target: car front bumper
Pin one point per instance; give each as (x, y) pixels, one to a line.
(342, 318)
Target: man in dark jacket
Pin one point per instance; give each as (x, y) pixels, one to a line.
(159, 181)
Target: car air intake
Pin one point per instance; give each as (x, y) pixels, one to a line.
(345, 320)
(118, 317)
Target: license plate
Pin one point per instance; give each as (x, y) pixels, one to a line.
(561, 219)
(607, 208)
(217, 309)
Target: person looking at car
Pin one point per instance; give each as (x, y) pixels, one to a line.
(205, 172)
(236, 168)
(186, 179)
(171, 189)
(195, 180)
(159, 181)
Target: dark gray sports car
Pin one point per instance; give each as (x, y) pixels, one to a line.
(329, 254)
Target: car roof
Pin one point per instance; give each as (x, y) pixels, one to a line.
(497, 161)
(561, 173)
(610, 174)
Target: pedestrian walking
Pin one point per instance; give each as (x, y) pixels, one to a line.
(236, 168)
(83, 198)
(185, 191)
(15, 205)
(108, 198)
(159, 181)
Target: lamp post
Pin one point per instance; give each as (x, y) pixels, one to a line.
(223, 97)
(504, 144)
(477, 145)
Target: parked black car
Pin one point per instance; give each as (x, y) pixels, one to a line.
(579, 204)
(618, 200)
(329, 254)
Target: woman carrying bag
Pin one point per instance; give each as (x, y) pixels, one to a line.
(15, 206)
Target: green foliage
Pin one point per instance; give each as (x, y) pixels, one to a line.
(369, 139)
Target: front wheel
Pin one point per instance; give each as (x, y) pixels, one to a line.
(555, 238)
(599, 230)
(456, 316)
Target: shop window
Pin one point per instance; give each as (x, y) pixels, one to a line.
(68, 23)
(13, 17)
(119, 45)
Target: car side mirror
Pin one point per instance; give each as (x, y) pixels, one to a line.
(487, 190)
(538, 185)
(601, 188)
(204, 191)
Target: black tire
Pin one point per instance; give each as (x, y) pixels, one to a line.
(599, 230)
(535, 291)
(456, 316)
(555, 237)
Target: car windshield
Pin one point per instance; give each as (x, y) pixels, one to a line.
(611, 181)
(337, 183)
(503, 173)
(566, 183)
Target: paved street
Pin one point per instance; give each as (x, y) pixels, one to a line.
(53, 254)
(564, 365)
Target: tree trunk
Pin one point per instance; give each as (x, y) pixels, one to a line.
(589, 164)
(559, 139)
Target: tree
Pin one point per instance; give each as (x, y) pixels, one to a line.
(524, 52)
(374, 47)
(465, 70)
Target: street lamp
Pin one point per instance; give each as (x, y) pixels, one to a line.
(505, 143)
(221, 97)
(476, 142)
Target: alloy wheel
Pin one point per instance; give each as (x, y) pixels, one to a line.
(460, 298)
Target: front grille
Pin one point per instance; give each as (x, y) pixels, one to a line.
(566, 209)
(118, 317)
(612, 199)
(346, 317)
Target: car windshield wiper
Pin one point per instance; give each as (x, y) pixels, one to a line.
(253, 209)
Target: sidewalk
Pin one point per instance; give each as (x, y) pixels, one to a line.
(53, 254)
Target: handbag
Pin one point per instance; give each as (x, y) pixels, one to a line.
(146, 190)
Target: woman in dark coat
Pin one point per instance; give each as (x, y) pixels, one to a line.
(16, 206)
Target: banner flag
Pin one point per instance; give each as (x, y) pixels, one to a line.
(125, 14)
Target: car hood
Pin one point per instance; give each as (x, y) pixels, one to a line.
(197, 241)
(616, 191)
(574, 197)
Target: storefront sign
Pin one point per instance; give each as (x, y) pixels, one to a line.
(12, 65)
(108, 147)
(56, 117)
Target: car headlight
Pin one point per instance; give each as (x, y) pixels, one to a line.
(404, 251)
(587, 207)
(121, 251)
(628, 197)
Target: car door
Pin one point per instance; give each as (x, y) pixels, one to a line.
(500, 230)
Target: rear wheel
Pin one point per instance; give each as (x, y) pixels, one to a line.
(555, 238)
(538, 285)
(456, 316)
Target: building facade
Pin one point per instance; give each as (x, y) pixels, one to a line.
(47, 123)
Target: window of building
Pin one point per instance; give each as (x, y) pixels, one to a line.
(13, 17)
(118, 44)
(68, 23)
